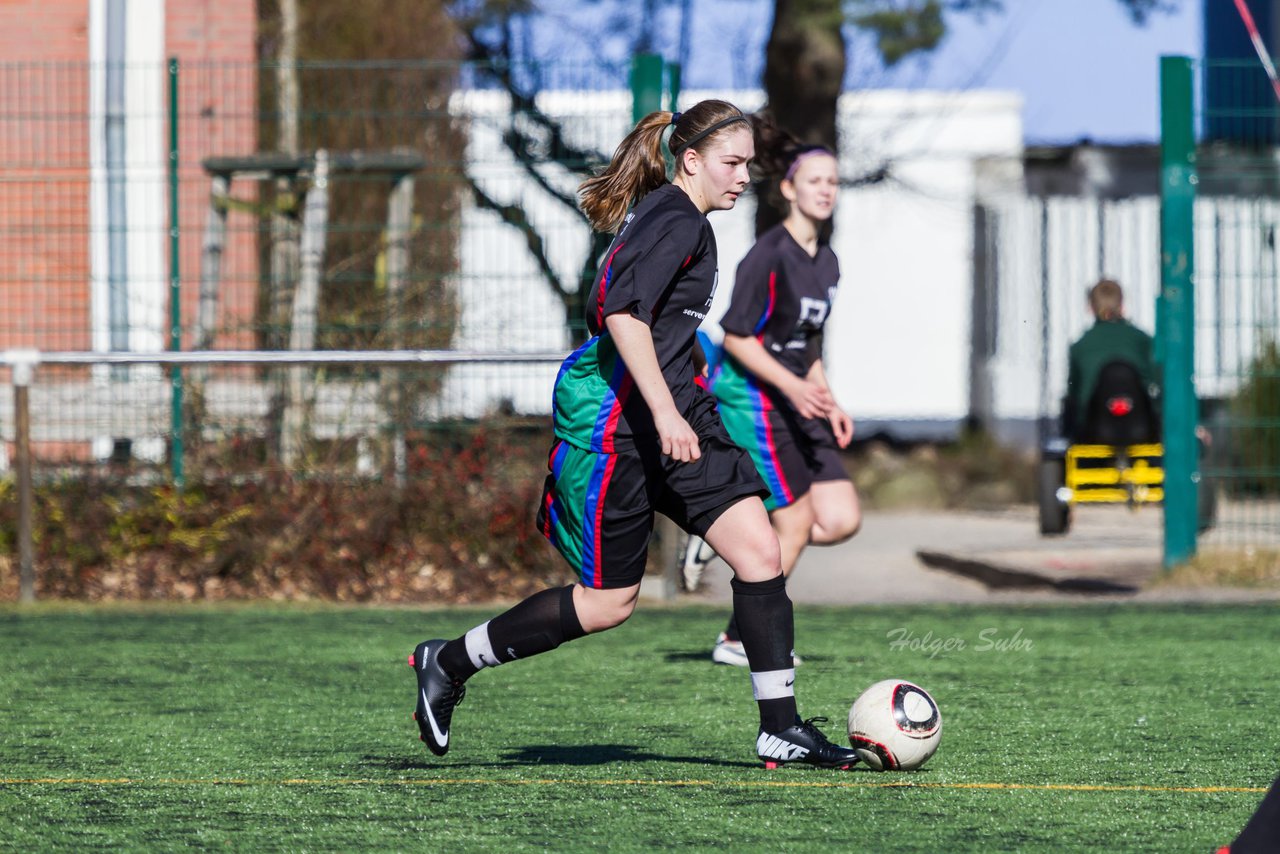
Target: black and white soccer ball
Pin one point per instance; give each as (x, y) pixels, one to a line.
(895, 726)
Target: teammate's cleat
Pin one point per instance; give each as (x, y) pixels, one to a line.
(694, 558)
(731, 652)
(438, 693)
(803, 742)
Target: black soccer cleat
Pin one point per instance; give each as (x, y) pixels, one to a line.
(438, 693)
(803, 743)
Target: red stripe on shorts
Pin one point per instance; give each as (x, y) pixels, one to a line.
(598, 581)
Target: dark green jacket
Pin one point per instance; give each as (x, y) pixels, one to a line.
(1107, 341)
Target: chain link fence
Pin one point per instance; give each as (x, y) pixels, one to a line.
(363, 211)
(1237, 303)
(321, 300)
(361, 208)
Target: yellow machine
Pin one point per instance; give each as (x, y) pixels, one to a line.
(1097, 474)
(1105, 474)
(1113, 455)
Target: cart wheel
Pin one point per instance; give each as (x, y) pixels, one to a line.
(1055, 514)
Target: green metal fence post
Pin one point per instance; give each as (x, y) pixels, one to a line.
(646, 85)
(673, 85)
(175, 291)
(1177, 328)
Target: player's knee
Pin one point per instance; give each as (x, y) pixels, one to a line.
(852, 525)
(600, 611)
(831, 529)
(762, 558)
(602, 621)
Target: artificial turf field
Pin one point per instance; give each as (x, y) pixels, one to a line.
(256, 728)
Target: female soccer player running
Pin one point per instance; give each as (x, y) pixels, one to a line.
(773, 392)
(635, 435)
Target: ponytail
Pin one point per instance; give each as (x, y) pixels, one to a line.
(638, 166)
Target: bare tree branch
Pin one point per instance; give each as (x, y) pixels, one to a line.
(514, 216)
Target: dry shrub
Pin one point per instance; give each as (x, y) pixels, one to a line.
(1247, 566)
(461, 530)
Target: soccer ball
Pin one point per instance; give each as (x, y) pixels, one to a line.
(895, 726)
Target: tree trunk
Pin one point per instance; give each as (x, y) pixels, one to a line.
(306, 307)
(803, 76)
(287, 100)
(284, 228)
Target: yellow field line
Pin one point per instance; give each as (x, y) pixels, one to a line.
(779, 784)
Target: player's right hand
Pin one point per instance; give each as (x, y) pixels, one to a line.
(679, 441)
(841, 426)
(810, 399)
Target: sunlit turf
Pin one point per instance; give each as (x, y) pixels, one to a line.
(1124, 728)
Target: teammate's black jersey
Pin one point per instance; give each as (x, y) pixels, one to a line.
(781, 296)
(661, 267)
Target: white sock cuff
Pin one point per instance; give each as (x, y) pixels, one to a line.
(774, 684)
(479, 649)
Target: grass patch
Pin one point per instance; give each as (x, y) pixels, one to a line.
(265, 728)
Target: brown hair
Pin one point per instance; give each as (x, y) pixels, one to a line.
(776, 149)
(777, 154)
(638, 166)
(1106, 299)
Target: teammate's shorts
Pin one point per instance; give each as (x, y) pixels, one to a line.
(790, 453)
(597, 509)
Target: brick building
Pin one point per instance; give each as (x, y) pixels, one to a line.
(84, 150)
(85, 195)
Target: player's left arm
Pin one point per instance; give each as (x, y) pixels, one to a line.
(634, 340)
(841, 423)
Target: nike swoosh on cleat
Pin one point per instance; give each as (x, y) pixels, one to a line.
(442, 738)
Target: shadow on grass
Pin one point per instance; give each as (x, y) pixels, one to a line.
(573, 756)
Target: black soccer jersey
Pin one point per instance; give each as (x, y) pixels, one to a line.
(781, 296)
(661, 267)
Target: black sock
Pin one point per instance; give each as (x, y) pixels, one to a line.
(1262, 832)
(538, 624)
(764, 616)
(731, 631)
